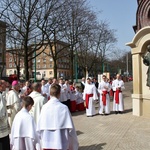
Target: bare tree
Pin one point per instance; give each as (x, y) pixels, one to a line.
(75, 21)
(53, 32)
(22, 18)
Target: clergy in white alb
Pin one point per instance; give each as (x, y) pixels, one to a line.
(89, 96)
(39, 101)
(55, 125)
(23, 132)
(4, 125)
(118, 87)
(13, 101)
(103, 89)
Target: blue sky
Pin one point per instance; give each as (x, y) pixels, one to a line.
(120, 15)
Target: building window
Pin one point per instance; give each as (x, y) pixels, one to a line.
(50, 65)
(10, 59)
(38, 66)
(44, 66)
(10, 71)
(149, 14)
(51, 59)
(10, 65)
(44, 54)
(50, 72)
(44, 60)
(38, 60)
(10, 54)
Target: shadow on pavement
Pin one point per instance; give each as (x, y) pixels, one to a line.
(79, 132)
(78, 113)
(94, 147)
(127, 111)
(124, 112)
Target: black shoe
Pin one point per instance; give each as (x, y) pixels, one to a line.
(106, 114)
(120, 112)
(116, 112)
(90, 116)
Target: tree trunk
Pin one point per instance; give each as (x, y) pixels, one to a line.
(71, 61)
(55, 69)
(18, 72)
(26, 64)
(1, 69)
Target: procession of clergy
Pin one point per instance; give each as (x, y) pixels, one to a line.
(39, 113)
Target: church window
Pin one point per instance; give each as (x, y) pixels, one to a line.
(149, 14)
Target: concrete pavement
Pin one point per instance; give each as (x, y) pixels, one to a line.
(113, 132)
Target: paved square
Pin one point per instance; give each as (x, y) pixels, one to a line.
(113, 132)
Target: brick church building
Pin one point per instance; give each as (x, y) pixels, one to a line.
(142, 15)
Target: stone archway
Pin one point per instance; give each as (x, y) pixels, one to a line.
(141, 93)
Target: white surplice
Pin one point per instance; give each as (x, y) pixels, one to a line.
(68, 91)
(79, 97)
(115, 84)
(45, 90)
(39, 101)
(63, 95)
(23, 132)
(90, 89)
(101, 89)
(13, 101)
(56, 128)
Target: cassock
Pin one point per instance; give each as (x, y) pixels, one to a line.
(23, 132)
(13, 102)
(56, 128)
(89, 95)
(118, 104)
(39, 101)
(104, 97)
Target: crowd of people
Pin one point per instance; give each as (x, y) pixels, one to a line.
(94, 91)
(35, 116)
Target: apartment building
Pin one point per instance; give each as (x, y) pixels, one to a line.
(2, 48)
(12, 60)
(43, 64)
